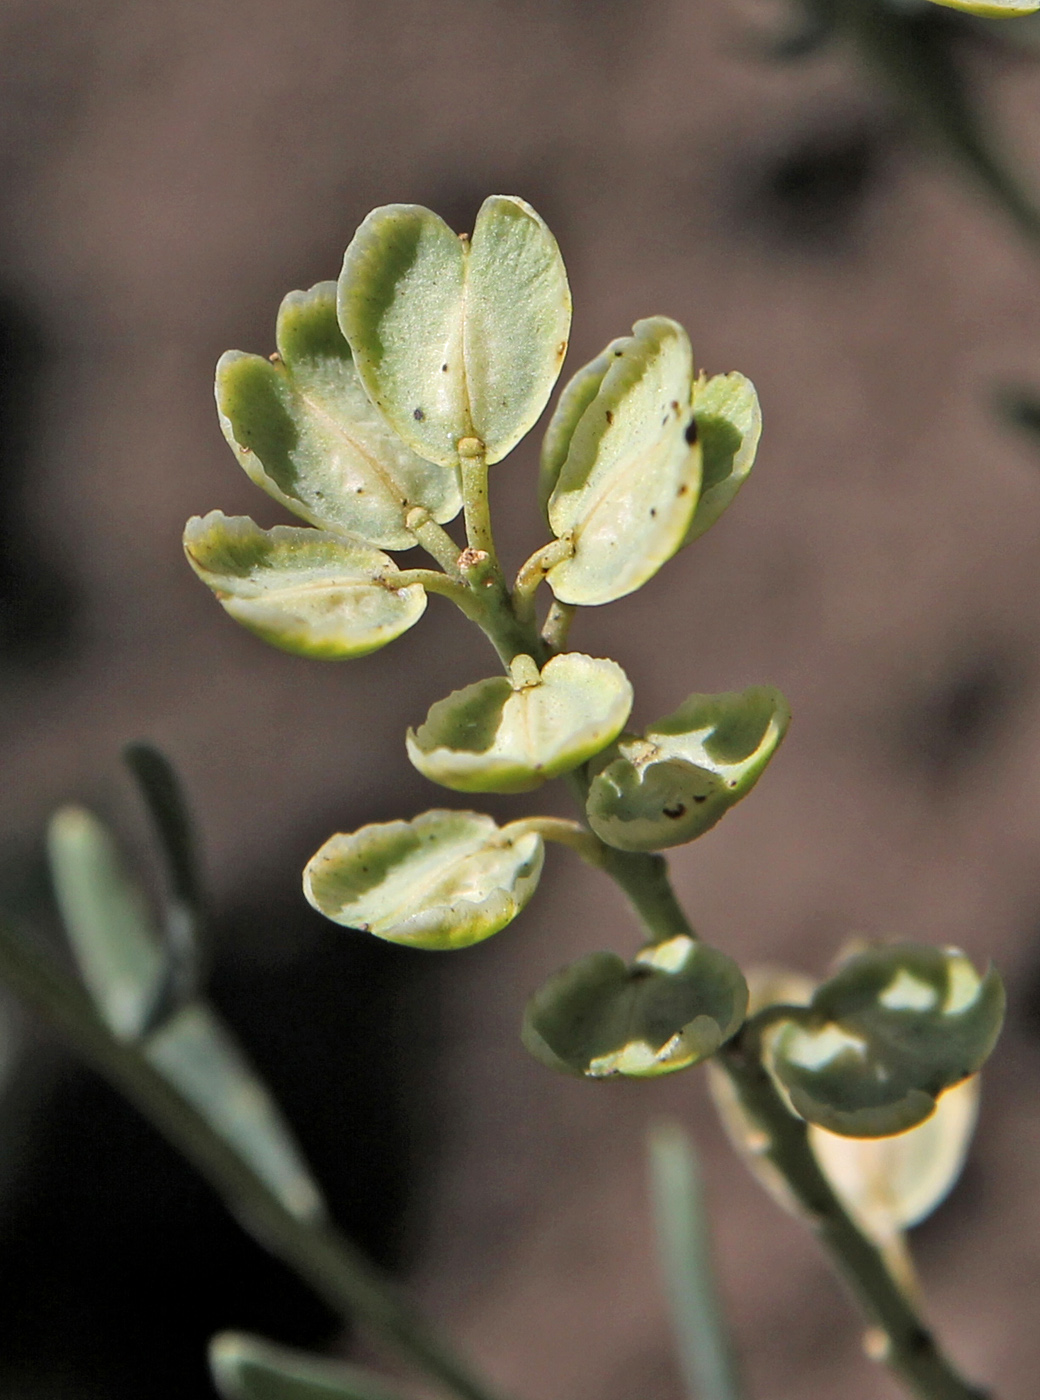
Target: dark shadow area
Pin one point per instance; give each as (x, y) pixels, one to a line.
(118, 1262)
(37, 603)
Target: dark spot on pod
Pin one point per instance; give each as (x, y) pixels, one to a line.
(675, 405)
(618, 354)
(691, 431)
(679, 810)
(610, 416)
(359, 490)
(664, 421)
(700, 797)
(444, 369)
(418, 415)
(561, 349)
(653, 512)
(684, 489)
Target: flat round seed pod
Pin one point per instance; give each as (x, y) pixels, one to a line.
(889, 1184)
(303, 590)
(454, 338)
(675, 1005)
(729, 424)
(305, 431)
(443, 880)
(511, 733)
(687, 770)
(897, 1026)
(626, 487)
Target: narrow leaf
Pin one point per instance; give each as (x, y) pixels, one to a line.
(249, 1368)
(197, 1054)
(107, 921)
(684, 1247)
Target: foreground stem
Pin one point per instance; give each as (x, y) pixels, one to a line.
(906, 1345)
(336, 1270)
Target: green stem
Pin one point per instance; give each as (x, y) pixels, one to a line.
(436, 541)
(908, 1347)
(434, 582)
(532, 576)
(473, 460)
(336, 1270)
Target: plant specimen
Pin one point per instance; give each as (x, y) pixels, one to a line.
(391, 395)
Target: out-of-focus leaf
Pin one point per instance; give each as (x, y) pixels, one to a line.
(305, 591)
(675, 1005)
(684, 1248)
(674, 783)
(456, 339)
(443, 880)
(623, 449)
(305, 431)
(249, 1368)
(511, 733)
(107, 921)
(195, 1052)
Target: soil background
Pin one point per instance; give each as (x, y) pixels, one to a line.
(169, 172)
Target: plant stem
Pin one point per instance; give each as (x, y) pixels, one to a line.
(436, 541)
(473, 459)
(908, 1347)
(336, 1270)
(532, 576)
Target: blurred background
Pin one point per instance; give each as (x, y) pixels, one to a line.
(169, 171)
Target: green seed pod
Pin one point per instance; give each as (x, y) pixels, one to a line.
(302, 590)
(687, 770)
(305, 431)
(674, 1006)
(729, 422)
(511, 733)
(454, 338)
(442, 880)
(621, 464)
(897, 1026)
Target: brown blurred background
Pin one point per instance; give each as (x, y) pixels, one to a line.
(169, 170)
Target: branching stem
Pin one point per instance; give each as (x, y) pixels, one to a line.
(532, 576)
(908, 1347)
